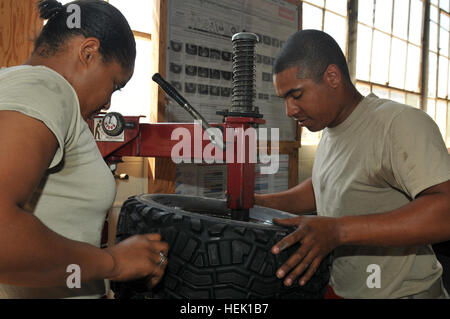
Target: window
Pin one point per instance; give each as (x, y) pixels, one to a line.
(438, 71)
(329, 16)
(389, 49)
(135, 98)
(389, 54)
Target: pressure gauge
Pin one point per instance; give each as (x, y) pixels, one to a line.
(113, 124)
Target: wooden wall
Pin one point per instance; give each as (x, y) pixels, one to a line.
(161, 172)
(19, 26)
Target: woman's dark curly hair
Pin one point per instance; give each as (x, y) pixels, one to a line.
(98, 19)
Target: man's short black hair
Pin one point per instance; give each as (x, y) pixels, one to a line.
(312, 51)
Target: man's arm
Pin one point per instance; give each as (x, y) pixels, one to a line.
(425, 220)
(297, 200)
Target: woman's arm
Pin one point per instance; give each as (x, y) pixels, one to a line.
(30, 253)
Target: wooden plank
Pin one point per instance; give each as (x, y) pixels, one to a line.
(284, 147)
(19, 27)
(162, 173)
(144, 35)
(296, 2)
(157, 111)
(293, 168)
(161, 105)
(161, 176)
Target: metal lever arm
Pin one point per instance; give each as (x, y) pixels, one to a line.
(173, 93)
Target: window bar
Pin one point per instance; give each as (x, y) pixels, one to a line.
(388, 82)
(448, 55)
(423, 84)
(387, 87)
(323, 14)
(371, 42)
(438, 60)
(300, 15)
(352, 36)
(407, 45)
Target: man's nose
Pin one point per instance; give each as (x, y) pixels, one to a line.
(291, 108)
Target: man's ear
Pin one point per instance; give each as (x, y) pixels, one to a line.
(333, 76)
(89, 51)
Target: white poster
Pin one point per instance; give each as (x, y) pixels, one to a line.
(211, 180)
(199, 55)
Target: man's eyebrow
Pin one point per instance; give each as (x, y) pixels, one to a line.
(290, 92)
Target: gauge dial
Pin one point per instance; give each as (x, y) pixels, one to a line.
(113, 124)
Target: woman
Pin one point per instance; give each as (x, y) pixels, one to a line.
(55, 188)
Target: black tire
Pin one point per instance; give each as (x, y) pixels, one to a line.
(212, 256)
(442, 252)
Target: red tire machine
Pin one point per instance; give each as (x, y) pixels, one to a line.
(155, 139)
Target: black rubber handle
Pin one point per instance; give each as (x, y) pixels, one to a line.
(169, 89)
(173, 93)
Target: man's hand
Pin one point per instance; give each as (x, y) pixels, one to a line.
(318, 237)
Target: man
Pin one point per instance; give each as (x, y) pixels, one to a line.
(380, 182)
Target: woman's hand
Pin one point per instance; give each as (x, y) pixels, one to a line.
(138, 257)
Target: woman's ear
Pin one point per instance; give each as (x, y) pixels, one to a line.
(89, 51)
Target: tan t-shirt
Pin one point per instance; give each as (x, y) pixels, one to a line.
(78, 189)
(379, 159)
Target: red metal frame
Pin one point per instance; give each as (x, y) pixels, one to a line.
(241, 176)
(155, 140)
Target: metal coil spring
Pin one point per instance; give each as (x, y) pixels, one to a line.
(244, 74)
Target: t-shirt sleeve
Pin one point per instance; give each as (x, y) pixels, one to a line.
(47, 99)
(418, 154)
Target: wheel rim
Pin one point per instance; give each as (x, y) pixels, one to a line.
(213, 208)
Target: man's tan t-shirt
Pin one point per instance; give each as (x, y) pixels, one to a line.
(78, 189)
(379, 159)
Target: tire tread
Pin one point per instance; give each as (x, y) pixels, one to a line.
(212, 260)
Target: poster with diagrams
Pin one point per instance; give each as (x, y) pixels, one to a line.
(211, 180)
(199, 55)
